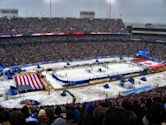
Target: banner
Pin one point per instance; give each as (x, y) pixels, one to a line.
(62, 34)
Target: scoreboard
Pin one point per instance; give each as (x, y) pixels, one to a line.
(9, 13)
(87, 14)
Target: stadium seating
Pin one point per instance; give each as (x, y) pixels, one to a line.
(47, 25)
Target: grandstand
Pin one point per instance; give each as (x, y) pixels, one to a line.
(47, 25)
(149, 32)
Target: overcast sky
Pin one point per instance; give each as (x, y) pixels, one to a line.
(137, 11)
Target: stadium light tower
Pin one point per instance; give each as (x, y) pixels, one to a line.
(109, 8)
(50, 8)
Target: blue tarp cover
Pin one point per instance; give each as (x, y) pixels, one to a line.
(137, 90)
(143, 53)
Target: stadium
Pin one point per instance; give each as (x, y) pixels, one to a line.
(97, 68)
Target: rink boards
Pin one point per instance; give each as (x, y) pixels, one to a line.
(89, 73)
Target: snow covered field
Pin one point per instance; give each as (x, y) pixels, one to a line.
(83, 94)
(98, 92)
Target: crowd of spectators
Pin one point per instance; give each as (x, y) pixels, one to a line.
(138, 109)
(46, 25)
(23, 50)
(17, 51)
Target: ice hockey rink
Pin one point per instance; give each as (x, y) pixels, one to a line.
(96, 71)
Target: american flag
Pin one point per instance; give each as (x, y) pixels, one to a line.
(29, 79)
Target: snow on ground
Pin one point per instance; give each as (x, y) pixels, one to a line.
(54, 98)
(30, 68)
(54, 65)
(124, 68)
(98, 92)
(54, 83)
(83, 62)
(83, 94)
(4, 85)
(103, 60)
(117, 59)
(157, 79)
(128, 58)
